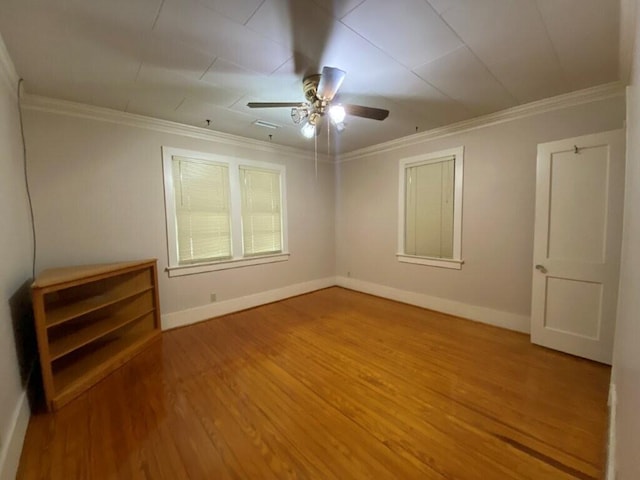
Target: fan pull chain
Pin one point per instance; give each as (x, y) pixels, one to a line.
(328, 137)
(315, 139)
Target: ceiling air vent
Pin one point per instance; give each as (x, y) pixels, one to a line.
(262, 123)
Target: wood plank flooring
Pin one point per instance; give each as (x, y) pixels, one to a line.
(333, 384)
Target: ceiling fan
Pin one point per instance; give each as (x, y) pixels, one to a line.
(320, 91)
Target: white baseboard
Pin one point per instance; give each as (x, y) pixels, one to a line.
(216, 309)
(12, 447)
(498, 318)
(489, 316)
(611, 441)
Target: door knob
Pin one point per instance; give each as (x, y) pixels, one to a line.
(541, 268)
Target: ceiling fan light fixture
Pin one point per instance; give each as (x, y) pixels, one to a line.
(298, 114)
(314, 118)
(308, 130)
(337, 114)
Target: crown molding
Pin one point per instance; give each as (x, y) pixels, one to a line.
(579, 97)
(64, 107)
(81, 110)
(7, 68)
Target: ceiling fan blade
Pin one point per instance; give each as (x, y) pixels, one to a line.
(330, 82)
(274, 104)
(311, 27)
(366, 112)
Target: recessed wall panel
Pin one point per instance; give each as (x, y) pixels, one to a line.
(574, 307)
(578, 205)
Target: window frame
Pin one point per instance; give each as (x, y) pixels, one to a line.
(424, 159)
(237, 258)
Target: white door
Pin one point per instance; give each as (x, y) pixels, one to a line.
(576, 254)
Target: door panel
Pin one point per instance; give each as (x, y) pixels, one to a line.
(574, 307)
(578, 204)
(579, 199)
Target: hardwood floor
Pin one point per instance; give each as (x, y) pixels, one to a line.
(333, 384)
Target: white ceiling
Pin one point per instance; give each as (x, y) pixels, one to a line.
(430, 63)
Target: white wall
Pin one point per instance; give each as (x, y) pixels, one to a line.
(626, 355)
(98, 197)
(498, 214)
(15, 273)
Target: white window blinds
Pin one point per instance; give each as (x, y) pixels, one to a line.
(261, 211)
(201, 192)
(429, 209)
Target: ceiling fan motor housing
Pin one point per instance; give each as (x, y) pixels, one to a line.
(310, 87)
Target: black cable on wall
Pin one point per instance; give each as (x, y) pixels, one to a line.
(26, 177)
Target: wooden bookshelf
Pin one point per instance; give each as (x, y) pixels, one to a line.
(90, 320)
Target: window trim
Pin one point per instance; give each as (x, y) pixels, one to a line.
(452, 263)
(237, 259)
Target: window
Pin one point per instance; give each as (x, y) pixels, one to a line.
(222, 212)
(261, 217)
(203, 220)
(430, 206)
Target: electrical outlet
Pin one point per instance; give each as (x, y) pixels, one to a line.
(214, 297)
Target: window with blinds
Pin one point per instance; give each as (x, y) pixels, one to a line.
(430, 209)
(261, 211)
(203, 223)
(223, 212)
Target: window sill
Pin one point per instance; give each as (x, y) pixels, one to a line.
(431, 261)
(181, 270)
